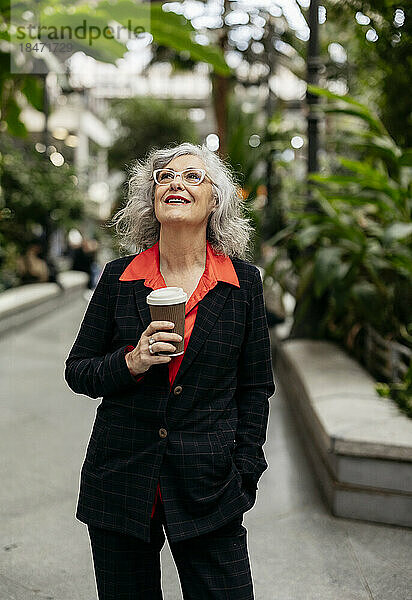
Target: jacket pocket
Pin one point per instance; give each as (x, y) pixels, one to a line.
(96, 445)
(226, 446)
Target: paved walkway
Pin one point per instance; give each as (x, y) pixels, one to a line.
(298, 551)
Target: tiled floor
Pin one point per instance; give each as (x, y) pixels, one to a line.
(298, 551)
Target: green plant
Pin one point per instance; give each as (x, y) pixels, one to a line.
(400, 392)
(376, 70)
(353, 255)
(167, 28)
(33, 193)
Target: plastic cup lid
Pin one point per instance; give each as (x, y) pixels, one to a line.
(166, 296)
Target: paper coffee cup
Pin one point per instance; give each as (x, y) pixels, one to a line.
(168, 304)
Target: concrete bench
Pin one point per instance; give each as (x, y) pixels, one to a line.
(27, 302)
(360, 444)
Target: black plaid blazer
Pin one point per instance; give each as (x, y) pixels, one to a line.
(215, 414)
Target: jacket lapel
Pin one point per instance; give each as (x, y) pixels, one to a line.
(208, 312)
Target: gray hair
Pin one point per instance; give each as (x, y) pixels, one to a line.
(228, 231)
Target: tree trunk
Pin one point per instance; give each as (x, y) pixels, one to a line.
(220, 90)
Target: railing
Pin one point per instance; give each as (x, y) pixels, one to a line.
(386, 357)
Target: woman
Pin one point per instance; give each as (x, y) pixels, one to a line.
(177, 441)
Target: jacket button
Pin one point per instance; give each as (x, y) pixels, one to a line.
(162, 432)
(178, 390)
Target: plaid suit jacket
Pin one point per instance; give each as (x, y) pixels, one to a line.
(215, 415)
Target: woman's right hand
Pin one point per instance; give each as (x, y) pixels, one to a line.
(140, 360)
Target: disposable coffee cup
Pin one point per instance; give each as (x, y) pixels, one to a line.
(168, 304)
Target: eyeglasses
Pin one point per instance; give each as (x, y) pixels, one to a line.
(188, 176)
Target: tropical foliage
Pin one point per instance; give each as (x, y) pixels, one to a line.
(401, 392)
(167, 29)
(379, 60)
(352, 256)
(34, 195)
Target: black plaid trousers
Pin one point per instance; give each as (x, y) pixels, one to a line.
(215, 414)
(214, 565)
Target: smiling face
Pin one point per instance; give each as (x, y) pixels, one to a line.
(193, 213)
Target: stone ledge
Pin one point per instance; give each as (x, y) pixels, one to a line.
(23, 304)
(360, 444)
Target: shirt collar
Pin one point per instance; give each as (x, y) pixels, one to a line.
(146, 266)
